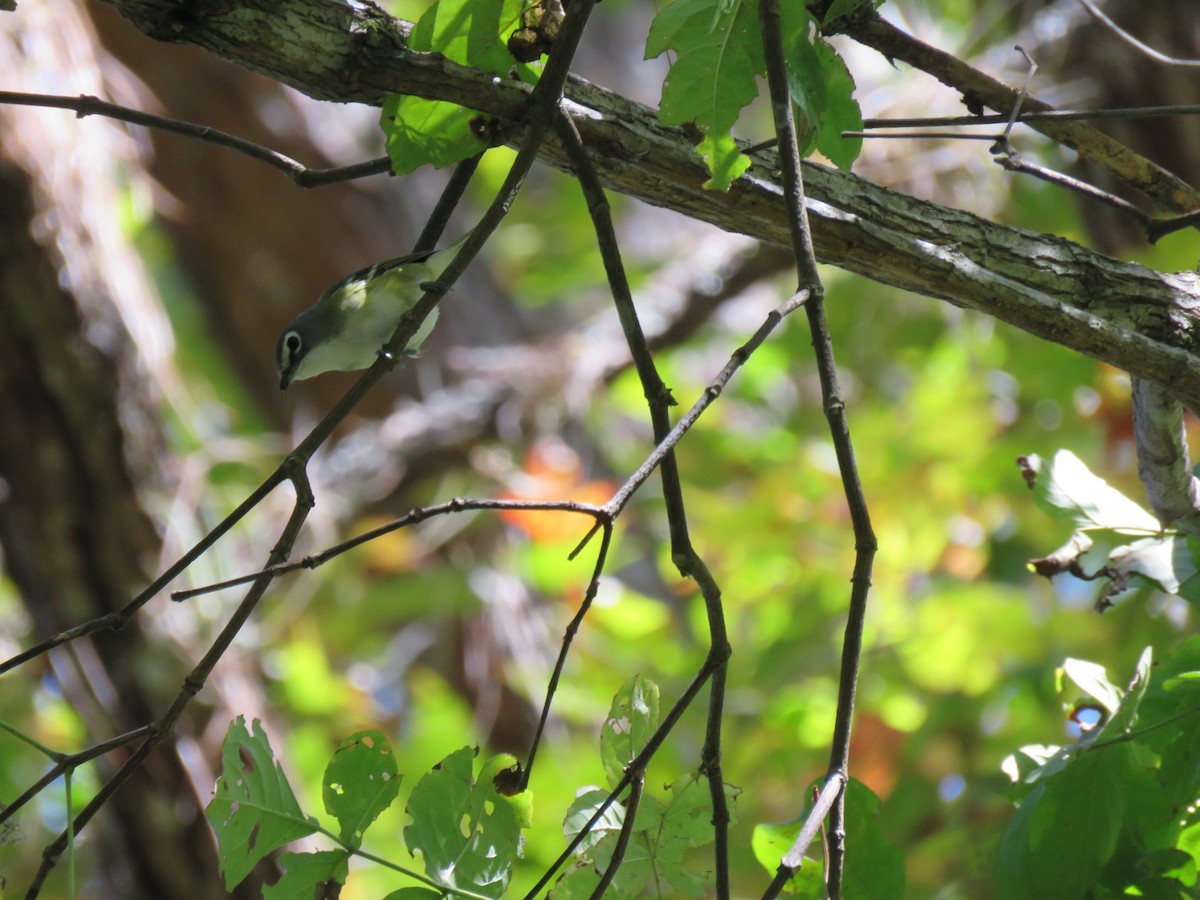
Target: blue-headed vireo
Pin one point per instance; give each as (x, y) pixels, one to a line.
(348, 326)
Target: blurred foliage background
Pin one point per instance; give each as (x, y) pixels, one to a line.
(443, 635)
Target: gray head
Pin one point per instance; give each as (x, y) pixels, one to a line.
(295, 343)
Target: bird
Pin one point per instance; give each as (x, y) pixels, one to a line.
(346, 328)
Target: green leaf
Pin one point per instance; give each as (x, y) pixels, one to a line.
(631, 721)
(806, 86)
(421, 132)
(663, 833)
(471, 32)
(415, 893)
(254, 811)
(1067, 828)
(688, 813)
(304, 872)
(1126, 714)
(842, 112)
(687, 823)
(466, 831)
(361, 781)
(772, 842)
(718, 47)
(724, 160)
(874, 866)
(579, 882)
(719, 53)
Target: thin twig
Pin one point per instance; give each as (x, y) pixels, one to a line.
(835, 783)
(911, 135)
(1129, 39)
(412, 517)
(1009, 159)
(627, 826)
(808, 281)
(448, 201)
(1047, 115)
(736, 360)
(86, 105)
(1021, 95)
(69, 762)
(568, 637)
(684, 555)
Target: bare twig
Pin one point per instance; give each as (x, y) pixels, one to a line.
(86, 105)
(1169, 191)
(65, 763)
(618, 854)
(864, 538)
(1009, 159)
(715, 387)
(458, 504)
(1129, 39)
(835, 783)
(1048, 115)
(448, 201)
(684, 555)
(568, 637)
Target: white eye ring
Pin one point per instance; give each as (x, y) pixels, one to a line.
(292, 342)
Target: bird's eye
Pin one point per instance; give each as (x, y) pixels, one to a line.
(292, 342)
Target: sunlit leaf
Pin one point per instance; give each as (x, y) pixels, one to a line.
(1068, 490)
(842, 112)
(1093, 679)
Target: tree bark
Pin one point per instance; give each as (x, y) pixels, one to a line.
(80, 448)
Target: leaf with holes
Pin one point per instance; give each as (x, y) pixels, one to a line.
(467, 832)
(254, 811)
(361, 781)
(631, 721)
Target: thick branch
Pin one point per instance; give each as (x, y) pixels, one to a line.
(1139, 320)
(1163, 465)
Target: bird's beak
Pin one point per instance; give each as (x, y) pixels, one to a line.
(285, 377)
